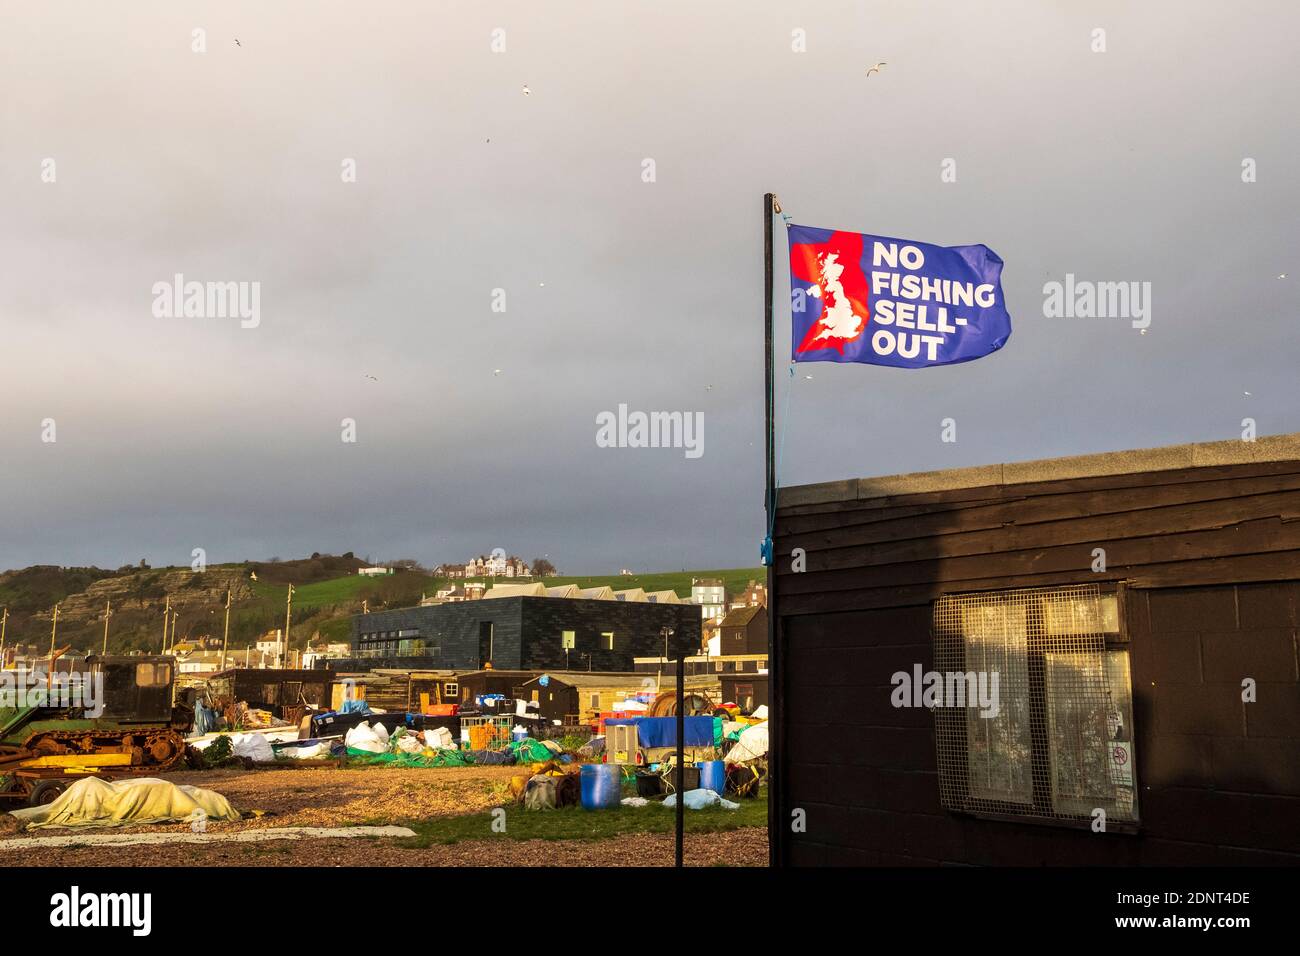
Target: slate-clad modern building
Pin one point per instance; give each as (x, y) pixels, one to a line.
(521, 633)
(1142, 612)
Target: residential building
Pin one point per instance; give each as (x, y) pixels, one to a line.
(497, 566)
(744, 631)
(663, 597)
(469, 591)
(711, 596)
(754, 595)
(199, 663)
(323, 653)
(700, 665)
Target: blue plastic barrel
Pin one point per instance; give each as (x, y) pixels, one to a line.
(519, 734)
(602, 786)
(713, 776)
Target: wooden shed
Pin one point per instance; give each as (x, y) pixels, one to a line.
(748, 691)
(410, 691)
(1140, 610)
(580, 698)
(274, 689)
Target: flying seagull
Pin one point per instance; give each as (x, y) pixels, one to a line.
(496, 371)
(372, 378)
(527, 91)
(875, 69)
(237, 43)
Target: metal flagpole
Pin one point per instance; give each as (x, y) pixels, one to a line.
(681, 750)
(774, 792)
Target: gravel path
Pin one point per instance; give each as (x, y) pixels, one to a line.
(745, 847)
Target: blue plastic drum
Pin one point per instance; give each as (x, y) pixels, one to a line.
(713, 776)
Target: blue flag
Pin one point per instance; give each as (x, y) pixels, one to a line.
(882, 301)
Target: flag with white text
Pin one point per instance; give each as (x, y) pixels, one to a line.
(882, 301)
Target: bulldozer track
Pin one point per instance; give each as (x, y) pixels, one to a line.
(154, 748)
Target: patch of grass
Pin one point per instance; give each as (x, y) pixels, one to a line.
(575, 823)
(735, 580)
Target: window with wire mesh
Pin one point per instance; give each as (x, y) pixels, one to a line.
(1059, 744)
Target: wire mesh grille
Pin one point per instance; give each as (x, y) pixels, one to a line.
(1049, 733)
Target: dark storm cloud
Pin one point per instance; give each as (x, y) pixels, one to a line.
(180, 433)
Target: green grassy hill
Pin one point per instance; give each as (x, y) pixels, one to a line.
(327, 594)
(735, 580)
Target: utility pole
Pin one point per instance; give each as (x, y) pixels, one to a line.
(225, 637)
(288, 609)
(176, 613)
(54, 627)
(108, 612)
(167, 609)
(4, 624)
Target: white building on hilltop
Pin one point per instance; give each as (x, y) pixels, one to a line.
(498, 565)
(711, 595)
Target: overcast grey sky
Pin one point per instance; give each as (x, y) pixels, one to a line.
(177, 433)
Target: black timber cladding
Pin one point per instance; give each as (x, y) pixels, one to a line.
(1209, 555)
(526, 632)
(273, 689)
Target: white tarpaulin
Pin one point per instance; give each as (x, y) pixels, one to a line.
(409, 743)
(276, 736)
(309, 752)
(439, 738)
(751, 745)
(255, 747)
(361, 737)
(699, 799)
